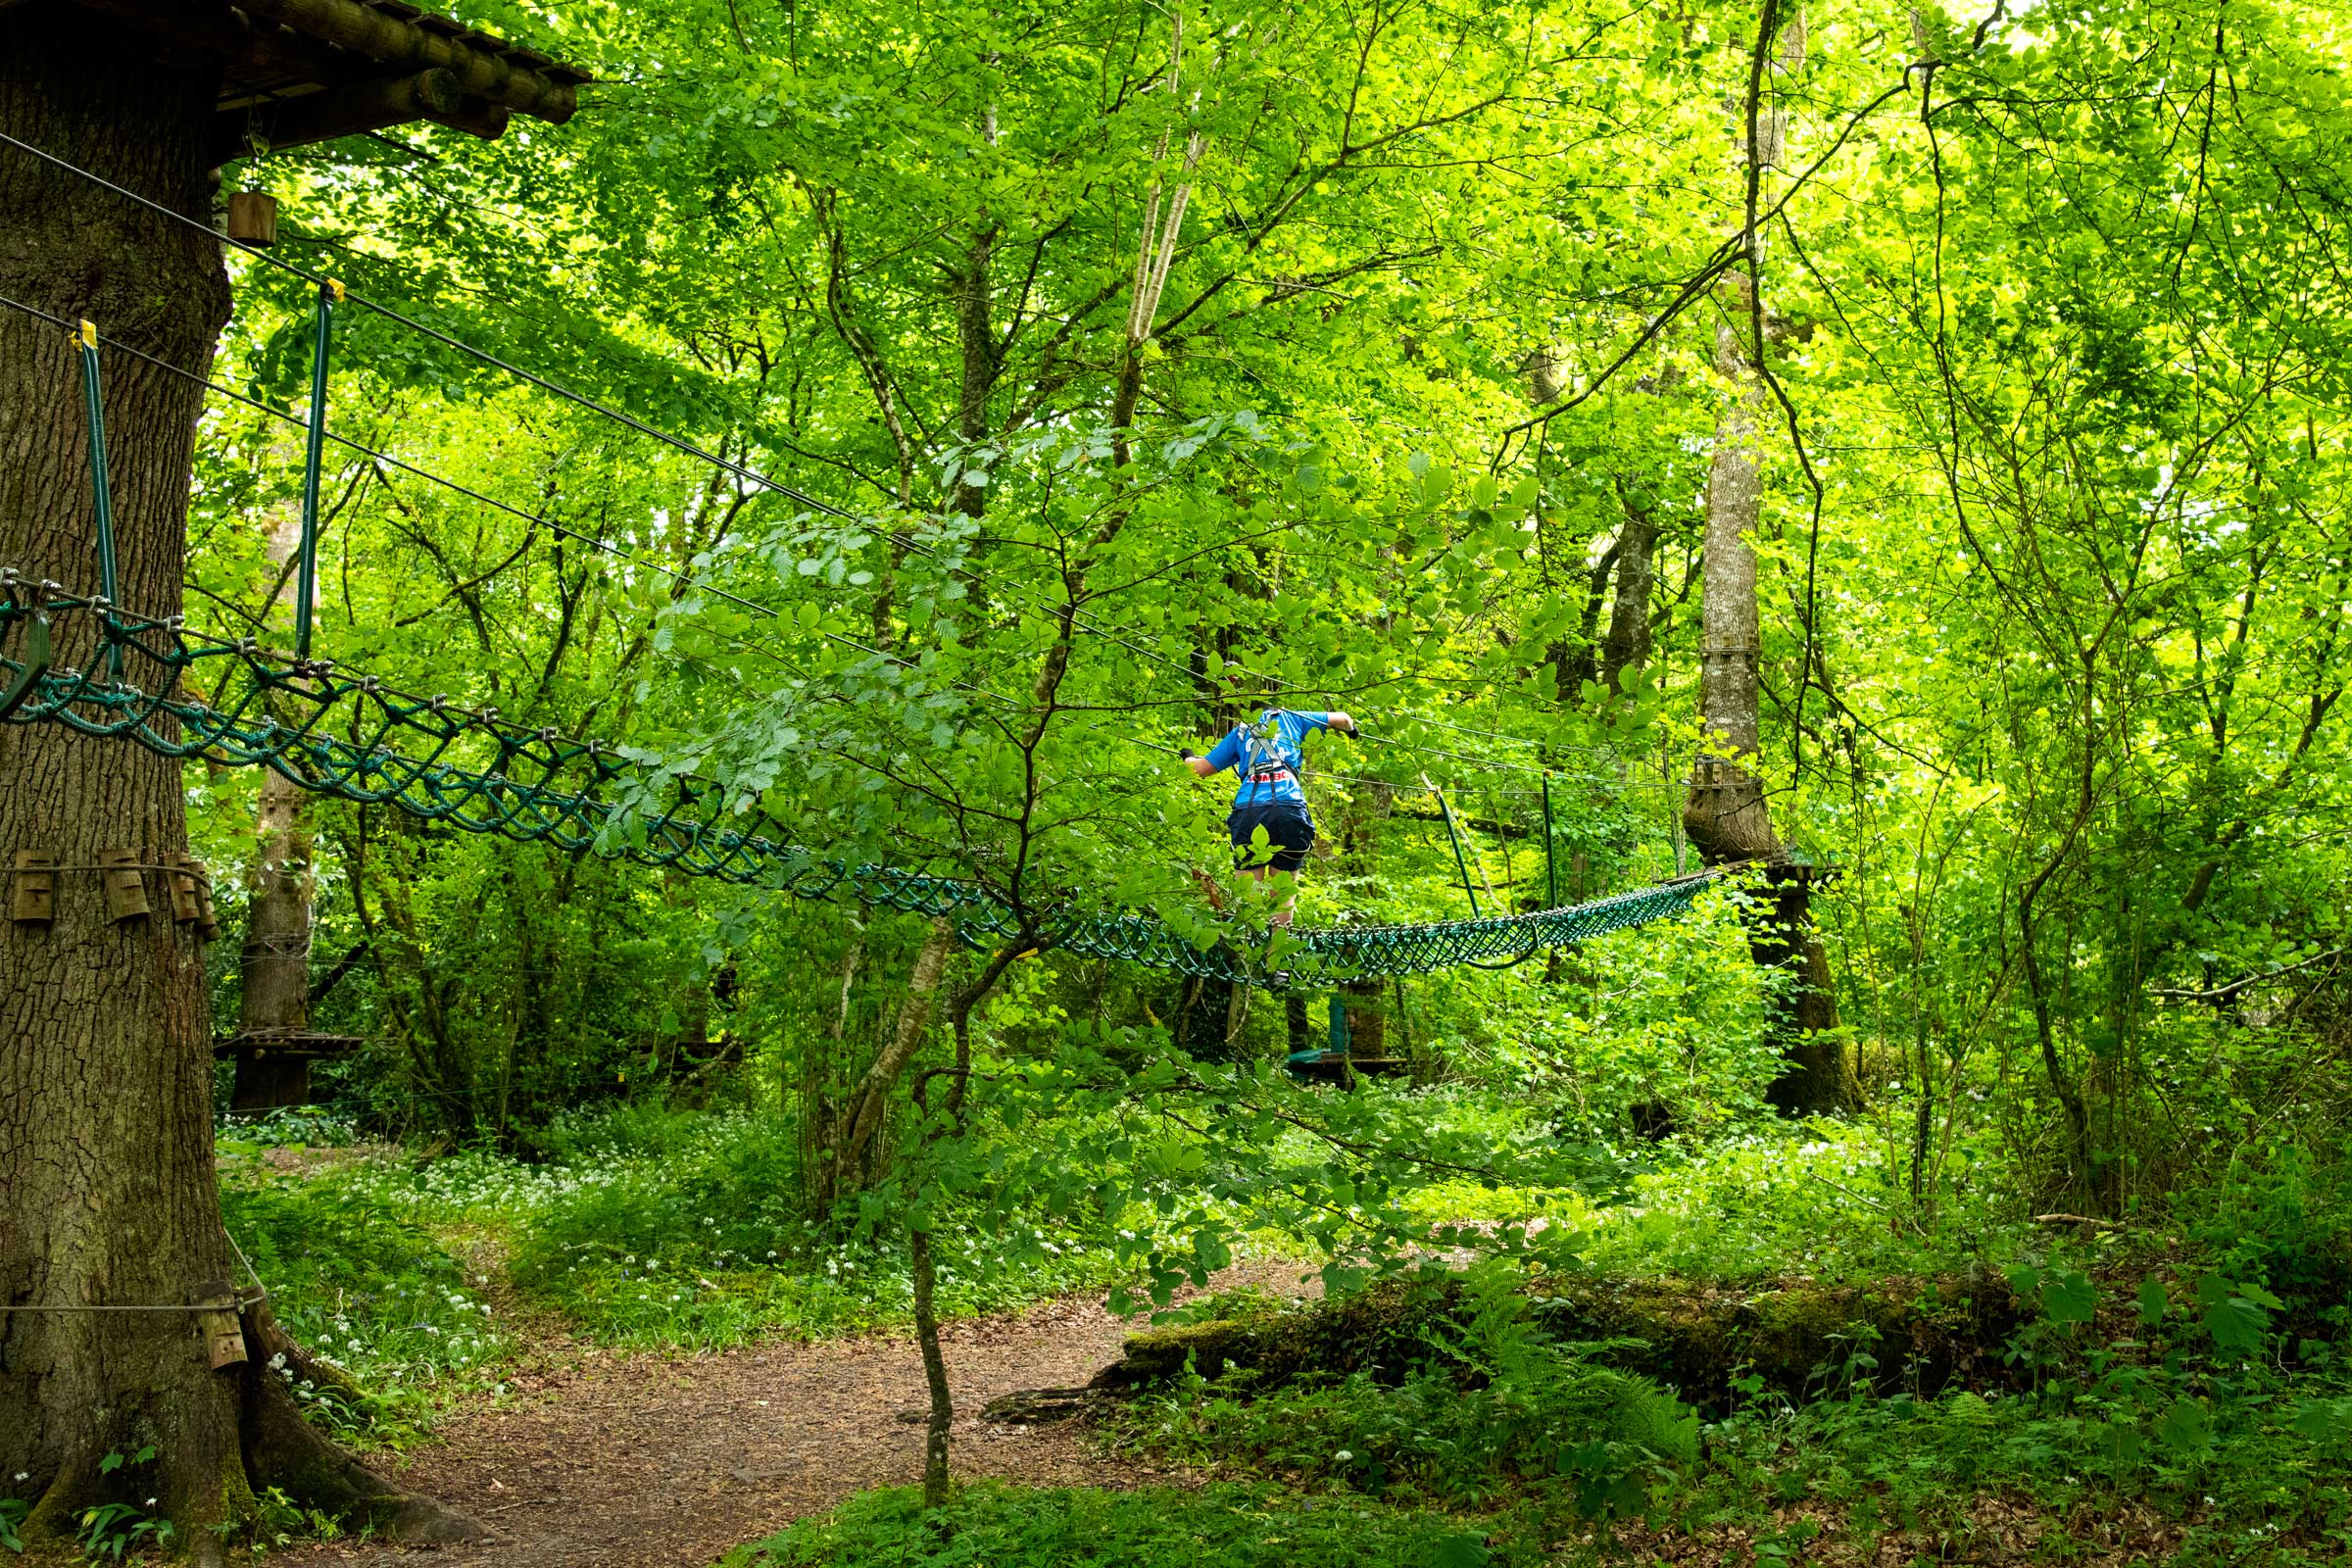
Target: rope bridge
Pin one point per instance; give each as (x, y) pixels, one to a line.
(352, 738)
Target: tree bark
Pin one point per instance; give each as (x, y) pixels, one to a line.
(107, 1193)
(1367, 1020)
(276, 965)
(940, 1420)
(849, 1143)
(1627, 645)
(1725, 816)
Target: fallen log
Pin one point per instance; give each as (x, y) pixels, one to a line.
(1800, 1337)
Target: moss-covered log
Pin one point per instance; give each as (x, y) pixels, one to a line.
(1925, 1335)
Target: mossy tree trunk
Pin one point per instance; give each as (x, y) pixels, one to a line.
(848, 1136)
(107, 1191)
(275, 967)
(1725, 814)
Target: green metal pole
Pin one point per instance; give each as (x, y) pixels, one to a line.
(102, 490)
(305, 586)
(1459, 864)
(1552, 870)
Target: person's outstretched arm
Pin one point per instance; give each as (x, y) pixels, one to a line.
(1222, 756)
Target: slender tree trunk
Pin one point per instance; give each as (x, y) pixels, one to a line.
(1725, 814)
(1627, 645)
(844, 1167)
(977, 340)
(107, 1191)
(275, 964)
(1367, 1020)
(942, 1419)
(275, 967)
(942, 1422)
(1724, 817)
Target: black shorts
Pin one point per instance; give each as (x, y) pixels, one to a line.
(1290, 833)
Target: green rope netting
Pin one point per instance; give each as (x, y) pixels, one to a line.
(352, 738)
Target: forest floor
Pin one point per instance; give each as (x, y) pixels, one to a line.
(595, 1458)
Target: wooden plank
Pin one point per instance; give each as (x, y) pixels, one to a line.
(433, 95)
(394, 42)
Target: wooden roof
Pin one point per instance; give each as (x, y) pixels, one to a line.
(296, 71)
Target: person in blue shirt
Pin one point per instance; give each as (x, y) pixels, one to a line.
(1265, 757)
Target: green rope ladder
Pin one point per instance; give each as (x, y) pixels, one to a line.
(352, 738)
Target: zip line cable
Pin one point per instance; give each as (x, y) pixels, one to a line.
(606, 547)
(534, 520)
(318, 279)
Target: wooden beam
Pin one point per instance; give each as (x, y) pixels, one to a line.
(433, 95)
(171, 33)
(392, 42)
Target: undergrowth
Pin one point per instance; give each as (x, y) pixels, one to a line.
(2204, 1406)
(1227, 1526)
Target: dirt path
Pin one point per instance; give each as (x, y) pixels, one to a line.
(652, 1461)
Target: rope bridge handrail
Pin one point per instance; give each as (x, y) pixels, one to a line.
(332, 732)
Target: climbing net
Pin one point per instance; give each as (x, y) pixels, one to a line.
(352, 737)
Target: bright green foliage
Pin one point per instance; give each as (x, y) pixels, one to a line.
(2053, 568)
(1216, 1527)
(687, 1231)
(2049, 671)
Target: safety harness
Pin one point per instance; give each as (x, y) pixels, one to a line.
(1266, 764)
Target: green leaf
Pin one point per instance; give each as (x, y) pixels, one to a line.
(2186, 1429)
(2070, 1298)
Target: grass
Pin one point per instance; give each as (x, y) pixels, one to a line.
(366, 1287)
(644, 1229)
(1229, 1526)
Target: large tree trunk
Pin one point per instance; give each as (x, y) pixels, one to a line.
(1725, 814)
(107, 1193)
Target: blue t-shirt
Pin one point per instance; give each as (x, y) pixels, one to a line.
(1266, 756)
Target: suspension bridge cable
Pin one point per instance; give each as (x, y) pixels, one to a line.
(738, 470)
